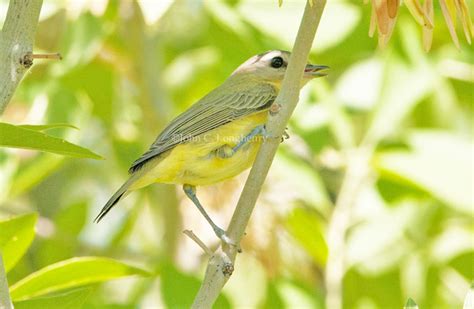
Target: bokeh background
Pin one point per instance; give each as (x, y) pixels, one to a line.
(370, 200)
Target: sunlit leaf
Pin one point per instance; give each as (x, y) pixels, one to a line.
(306, 228)
(16, 235)
(426, 166)
(43, 127)
(295, 296)
(18, 137)
(70, 300)
(403, 87)
(71, 273)
(304, 183)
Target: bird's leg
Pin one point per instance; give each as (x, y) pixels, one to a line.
(227, 151)
(258, 130)
(191, 194)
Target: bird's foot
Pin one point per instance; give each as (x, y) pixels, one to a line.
(282, 138)
(285, 135)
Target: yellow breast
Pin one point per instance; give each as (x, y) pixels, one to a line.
(196, 163)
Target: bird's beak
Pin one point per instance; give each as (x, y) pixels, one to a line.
(313, 70)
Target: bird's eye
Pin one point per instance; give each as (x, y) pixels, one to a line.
(277, 62)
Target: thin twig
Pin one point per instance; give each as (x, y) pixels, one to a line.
(198, 241)
(53, 56)
(216, 274)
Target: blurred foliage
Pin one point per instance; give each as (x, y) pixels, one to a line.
(129, 67)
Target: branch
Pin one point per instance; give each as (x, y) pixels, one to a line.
(5, 301)
(16, 45)
(220, 265)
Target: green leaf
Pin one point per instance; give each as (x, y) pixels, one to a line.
(43, 127)
(305, 227)
(403, 87)
(70, 300)
(16, 235)
(435, 157)
(18, 137)
(75, 272)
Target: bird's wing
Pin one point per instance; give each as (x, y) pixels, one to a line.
(212, 111)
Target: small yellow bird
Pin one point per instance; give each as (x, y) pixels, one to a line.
(217, 137)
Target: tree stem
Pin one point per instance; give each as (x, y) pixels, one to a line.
(5, 301)
(217, 272)
(16, 43)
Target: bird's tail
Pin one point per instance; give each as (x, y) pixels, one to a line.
(121, 193)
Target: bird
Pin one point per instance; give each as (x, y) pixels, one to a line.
(217, 137)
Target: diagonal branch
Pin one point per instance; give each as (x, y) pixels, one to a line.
(220, 265)
(16, 45)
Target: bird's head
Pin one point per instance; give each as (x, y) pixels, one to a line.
(271, 67)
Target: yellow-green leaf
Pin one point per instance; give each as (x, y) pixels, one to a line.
(43, 127)
(70, 300)
(71, 273)
(20, 137)
(16, 235)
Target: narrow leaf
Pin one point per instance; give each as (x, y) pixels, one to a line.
(16, 235)
(43, 127)
(382, 15)
(448, 17)
(384, 38)
(467, 18)
(18, 137)
(71, 300)
(414, 7)
(428, 29)
(463, 14)
(71, 273)
(373, 22)
(306, 228)
(392, 6)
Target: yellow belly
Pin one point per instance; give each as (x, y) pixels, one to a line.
(196, 163)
